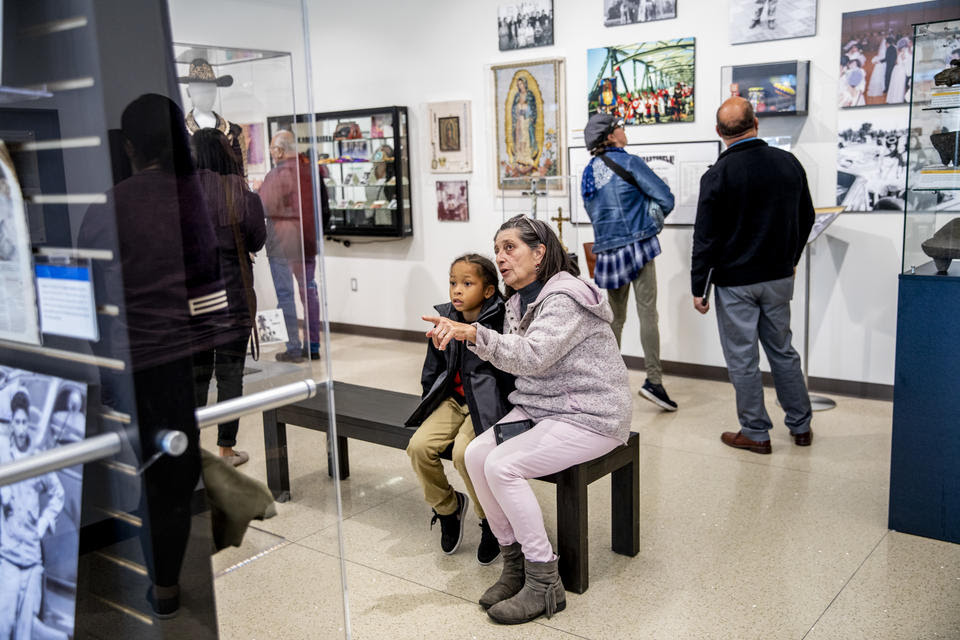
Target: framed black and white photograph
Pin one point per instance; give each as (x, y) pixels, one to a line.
(271, 329)
(679, 164)
(40, 516)
(872, 159)
(760, 20)
(525, 23)
(618, 12)
(452, 201)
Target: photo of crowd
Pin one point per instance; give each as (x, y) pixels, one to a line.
(876, 57)
(872, 163)
(39, 517)
(528, 23)
(617, 12)
(647, 83)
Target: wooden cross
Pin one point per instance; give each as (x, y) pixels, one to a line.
(559, 219)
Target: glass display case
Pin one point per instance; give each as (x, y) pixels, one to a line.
(364, 160)
(932, 216)
(235, 90)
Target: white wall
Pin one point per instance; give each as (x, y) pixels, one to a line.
(417, 51)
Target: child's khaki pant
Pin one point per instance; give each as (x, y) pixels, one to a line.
(450, 422)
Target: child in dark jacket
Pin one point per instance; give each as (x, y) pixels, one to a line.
(463, 396)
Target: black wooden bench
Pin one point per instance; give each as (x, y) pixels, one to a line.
(377, 415)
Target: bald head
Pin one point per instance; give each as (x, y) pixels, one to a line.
(735, 119)
(283, 145)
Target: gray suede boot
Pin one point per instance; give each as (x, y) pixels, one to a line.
(511, 578)
(542, 593)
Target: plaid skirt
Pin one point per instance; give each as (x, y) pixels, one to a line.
(621, 266)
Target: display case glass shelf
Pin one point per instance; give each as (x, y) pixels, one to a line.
(931, 236)
(364, 161)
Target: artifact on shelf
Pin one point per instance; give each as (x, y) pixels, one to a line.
(347, 131)
(949, 76)
(944, 246)
(946, 143)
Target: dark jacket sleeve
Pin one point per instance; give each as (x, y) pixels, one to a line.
(805, 214)
(705, 232)
(433, 365)
(254, 227)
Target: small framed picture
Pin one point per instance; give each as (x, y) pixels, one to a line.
(449, 133)
(452, 203)
(525, 23)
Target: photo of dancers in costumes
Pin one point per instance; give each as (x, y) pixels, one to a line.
(463, 396)
(571, 404)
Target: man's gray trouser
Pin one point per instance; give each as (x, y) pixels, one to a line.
(645, 293)
(744, 315)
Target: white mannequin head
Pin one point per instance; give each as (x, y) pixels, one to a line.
(203, 95)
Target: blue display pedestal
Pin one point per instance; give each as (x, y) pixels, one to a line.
(925, 456)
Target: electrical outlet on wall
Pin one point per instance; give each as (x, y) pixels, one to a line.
(353, 284)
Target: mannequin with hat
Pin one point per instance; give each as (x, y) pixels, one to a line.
(202, 88)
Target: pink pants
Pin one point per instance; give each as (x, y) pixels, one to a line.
(500, 473)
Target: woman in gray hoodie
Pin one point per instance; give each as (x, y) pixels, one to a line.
(571, 389)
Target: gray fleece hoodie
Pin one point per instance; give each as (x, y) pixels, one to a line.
(566, 360)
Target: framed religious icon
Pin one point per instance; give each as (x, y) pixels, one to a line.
(449, 129)
(529, 109)
(450, 146)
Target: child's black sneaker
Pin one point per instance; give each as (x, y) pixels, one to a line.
(451, 526)
(489, 549)
(656, 394)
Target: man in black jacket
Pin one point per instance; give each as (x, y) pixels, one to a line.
(753, 219)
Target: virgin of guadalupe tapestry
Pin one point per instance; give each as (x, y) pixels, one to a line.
(529, 125)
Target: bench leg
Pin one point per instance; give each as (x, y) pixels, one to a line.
(343, 457)
(275, 447)
(625, 507)
(572, 536)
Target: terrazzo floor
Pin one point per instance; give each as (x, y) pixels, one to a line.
(733, 545)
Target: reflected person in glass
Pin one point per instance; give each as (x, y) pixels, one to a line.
(237, 217)
(287, 195)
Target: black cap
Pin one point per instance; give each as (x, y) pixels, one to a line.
(598, 128)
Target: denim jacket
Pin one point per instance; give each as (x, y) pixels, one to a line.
(619, 213)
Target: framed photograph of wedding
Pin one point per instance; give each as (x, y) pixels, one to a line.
(529, 123)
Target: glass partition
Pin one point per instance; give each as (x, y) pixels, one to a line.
(158, 254)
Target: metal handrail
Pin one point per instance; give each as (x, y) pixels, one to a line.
(68, 455)
(171, 443)
(255, 402)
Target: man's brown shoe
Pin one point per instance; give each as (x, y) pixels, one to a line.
(803, 439)
(739, 441)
